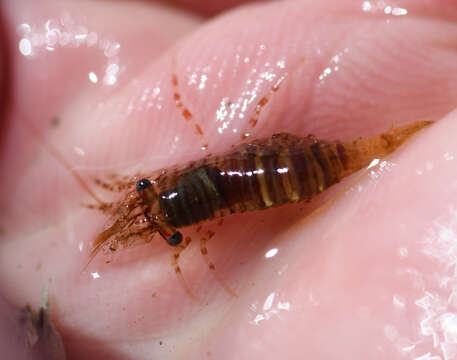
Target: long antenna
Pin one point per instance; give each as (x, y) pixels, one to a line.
(61, 160)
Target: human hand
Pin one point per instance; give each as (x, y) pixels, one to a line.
(370, 276)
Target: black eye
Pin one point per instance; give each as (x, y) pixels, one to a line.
(175, 239)
(143, 184)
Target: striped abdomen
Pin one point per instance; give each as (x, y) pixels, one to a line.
(259, 175)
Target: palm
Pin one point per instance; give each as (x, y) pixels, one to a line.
(336, 272)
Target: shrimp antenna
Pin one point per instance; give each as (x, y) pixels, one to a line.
(61, 160)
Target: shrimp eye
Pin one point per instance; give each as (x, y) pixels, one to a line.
(175, 239)
(143, 184)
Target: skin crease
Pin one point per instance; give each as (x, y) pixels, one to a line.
(371, 275)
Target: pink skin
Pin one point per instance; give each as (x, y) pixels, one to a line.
(371, 275)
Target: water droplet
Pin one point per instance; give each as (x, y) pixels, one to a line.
(23, 29)
(25, 47)
(366, 6)
(93, 77)
(272, 252)
(399, 12)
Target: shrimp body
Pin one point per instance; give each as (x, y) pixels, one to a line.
(255, 176)
(258, 175)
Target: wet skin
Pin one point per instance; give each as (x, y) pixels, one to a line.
(369, 276)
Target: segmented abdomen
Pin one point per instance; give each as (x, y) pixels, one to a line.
(255, 176)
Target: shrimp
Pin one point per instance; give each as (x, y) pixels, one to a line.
(253, 176)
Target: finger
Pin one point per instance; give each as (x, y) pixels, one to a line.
(208, 8)
(383, 87)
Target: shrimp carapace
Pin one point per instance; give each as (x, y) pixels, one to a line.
(257, 175)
